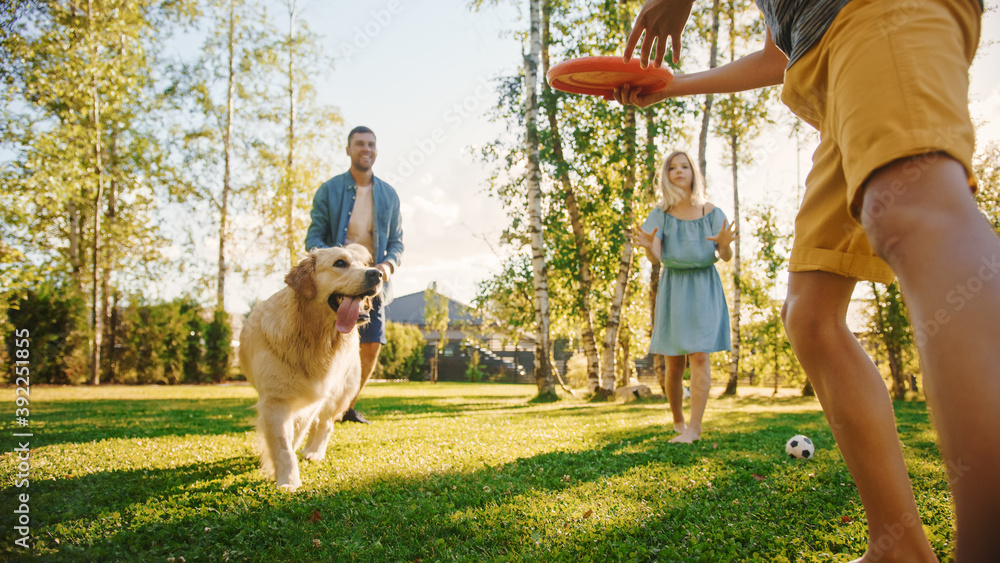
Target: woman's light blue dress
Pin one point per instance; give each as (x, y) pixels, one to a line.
(691, 311)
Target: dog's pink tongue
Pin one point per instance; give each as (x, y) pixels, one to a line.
(347, 313)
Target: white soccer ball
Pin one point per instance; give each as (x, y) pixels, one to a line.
(800, 447)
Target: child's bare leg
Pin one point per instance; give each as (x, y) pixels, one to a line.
(701, 385)
(856, 404)
(921, 218)
(675, 389)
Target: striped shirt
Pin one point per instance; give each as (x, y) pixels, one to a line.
(797, 25)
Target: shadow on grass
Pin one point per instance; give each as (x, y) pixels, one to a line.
(84, 421)
(750, 500)
(437, 405)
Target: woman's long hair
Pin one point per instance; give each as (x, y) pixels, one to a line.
(672, 195)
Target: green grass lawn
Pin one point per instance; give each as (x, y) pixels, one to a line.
(448, 472)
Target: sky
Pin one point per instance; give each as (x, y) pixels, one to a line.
(420, 72)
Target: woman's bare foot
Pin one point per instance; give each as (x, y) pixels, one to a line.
(680, 427)
(688, 436)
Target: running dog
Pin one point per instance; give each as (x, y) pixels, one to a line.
(299, 349)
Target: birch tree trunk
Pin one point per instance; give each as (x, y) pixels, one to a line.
(290, 241)
(734, 365)
(585, 281)
(653, 193)
(75, 232)
(111, 215)
(607, 387)
(98, 324)
(709, 98)
(543, 345)
(227, 141)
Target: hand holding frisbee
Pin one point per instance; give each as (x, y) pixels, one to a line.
(603, 76)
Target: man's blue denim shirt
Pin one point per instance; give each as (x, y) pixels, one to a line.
(331, 213)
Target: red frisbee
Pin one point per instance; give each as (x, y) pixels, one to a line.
(599, 76)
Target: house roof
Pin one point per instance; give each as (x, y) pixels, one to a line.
(409, 309)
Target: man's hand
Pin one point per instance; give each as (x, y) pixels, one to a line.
(659, 19)
(385, 269)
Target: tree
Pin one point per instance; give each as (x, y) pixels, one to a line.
(765, 345)
(12, 13)
(218, 346)
(82, 143)
(740, 116)
(436, 319)
(987, 169)
(298, 134)
(607, 387)
(402, 355)
(506, 298)
(590, 175)
(892, 325)
(533, 173)
(712, 33)
(555, 153)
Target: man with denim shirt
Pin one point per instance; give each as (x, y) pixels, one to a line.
(357, 207)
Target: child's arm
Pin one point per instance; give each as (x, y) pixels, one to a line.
(756, 70)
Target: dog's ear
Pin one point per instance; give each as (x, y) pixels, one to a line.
(302, 279)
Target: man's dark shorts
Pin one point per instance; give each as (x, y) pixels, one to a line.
(374, 331)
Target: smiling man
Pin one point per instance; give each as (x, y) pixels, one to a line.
(357, 207)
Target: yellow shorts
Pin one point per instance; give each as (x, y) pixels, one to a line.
(888, 80)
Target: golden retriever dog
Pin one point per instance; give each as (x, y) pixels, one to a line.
(300, 351)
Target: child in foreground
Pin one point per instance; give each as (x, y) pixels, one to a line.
(886, 84)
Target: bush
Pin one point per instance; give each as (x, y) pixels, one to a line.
(402, 355)
(56, 319)
(576, 370)
(155, 342)
(218, 346)
(473, 370)
(194, 352)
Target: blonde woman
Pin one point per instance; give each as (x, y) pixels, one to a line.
(687, 235)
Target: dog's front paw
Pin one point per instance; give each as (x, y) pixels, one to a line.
(314, 456)
(291, 485)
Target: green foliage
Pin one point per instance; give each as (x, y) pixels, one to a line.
(194, 355)
(155, 341)
(472, 369)
(452, 472)
(576, 371)
(604, 154)
(765, 349)
(890, 326)
(506, 299)
(402, 355)
(56, 321)
(218, 347)
(987, 170)
(58, 151)
(436, 317)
